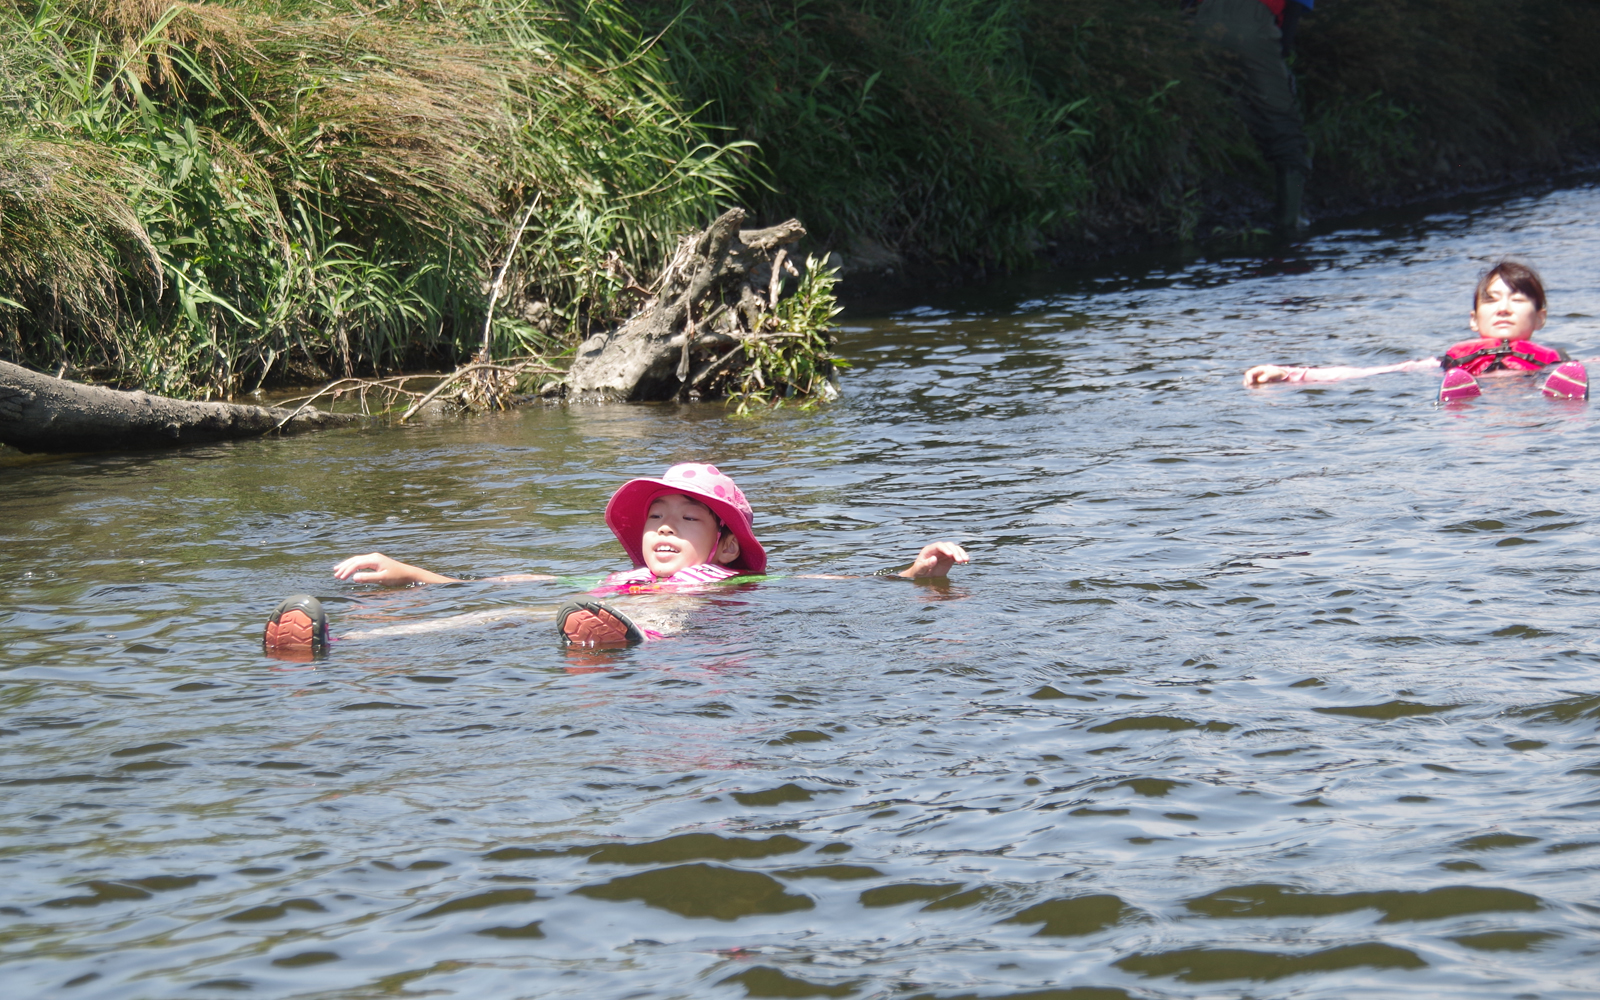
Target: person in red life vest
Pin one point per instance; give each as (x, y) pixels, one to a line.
(1508, 308)
(1254, 39)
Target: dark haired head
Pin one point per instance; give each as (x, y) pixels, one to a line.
(1518, 277)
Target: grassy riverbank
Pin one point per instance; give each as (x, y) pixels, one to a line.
(198, 197)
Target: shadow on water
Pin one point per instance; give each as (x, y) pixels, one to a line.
(1219, 259)
(1277, 692)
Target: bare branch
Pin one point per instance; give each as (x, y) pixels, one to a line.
(494, 291)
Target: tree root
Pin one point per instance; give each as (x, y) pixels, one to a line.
(716, 295)
(477, 386)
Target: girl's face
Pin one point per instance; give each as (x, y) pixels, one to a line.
(1505, 314)
(680, 532)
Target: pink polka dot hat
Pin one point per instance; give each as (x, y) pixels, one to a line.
(625, 514)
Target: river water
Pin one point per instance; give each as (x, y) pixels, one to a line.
(1288, 692)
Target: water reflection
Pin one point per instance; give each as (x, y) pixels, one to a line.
(1276, 692)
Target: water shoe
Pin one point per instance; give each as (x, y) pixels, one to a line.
(297, 629)
(590, 623)
(1568, 381)
(1458, 384)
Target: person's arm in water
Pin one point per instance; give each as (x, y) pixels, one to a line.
(1263, 374)
(375, 567)
(934, 560)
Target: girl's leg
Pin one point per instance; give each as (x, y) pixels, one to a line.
(297, 629)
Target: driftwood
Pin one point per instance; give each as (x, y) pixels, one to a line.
(39, 413)
(709, 300)
(474, 388)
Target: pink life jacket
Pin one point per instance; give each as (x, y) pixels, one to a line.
(1487, 355)
(641, 580)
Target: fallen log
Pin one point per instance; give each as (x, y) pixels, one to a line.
(711, 299)
(39, 413)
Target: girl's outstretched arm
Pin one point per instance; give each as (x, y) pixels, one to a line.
(1262, 374)
(375, 567)
(935, 560)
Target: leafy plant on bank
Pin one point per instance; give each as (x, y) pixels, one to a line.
(793, 355)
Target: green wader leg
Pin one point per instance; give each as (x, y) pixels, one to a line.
(1286, 212)
(1244, 33)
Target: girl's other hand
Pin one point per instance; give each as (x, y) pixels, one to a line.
(1262, 374)
(375, 567)
(935, 560)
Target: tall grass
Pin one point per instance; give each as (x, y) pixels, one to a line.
(197, 196)
(912, 122)
(1157, 125)
(963, 131)
(957, 130)
(1405, 95)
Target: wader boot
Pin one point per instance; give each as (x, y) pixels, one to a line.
(1286, 211)
(1245, 37)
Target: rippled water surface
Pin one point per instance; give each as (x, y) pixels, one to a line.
(1271, 693)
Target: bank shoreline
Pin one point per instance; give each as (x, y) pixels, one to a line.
(864, 293)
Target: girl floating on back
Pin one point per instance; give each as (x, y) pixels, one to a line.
(1508, 308)
(685, 532)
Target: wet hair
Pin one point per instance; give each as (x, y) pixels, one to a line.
(1518, 277)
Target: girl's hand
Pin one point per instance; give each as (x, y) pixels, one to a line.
(935, 560)
(1262, 374)
(375, 567)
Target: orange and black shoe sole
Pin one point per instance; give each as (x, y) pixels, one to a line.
(590, 623)
(297, 629)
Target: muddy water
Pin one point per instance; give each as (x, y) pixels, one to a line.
(1288, 692)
